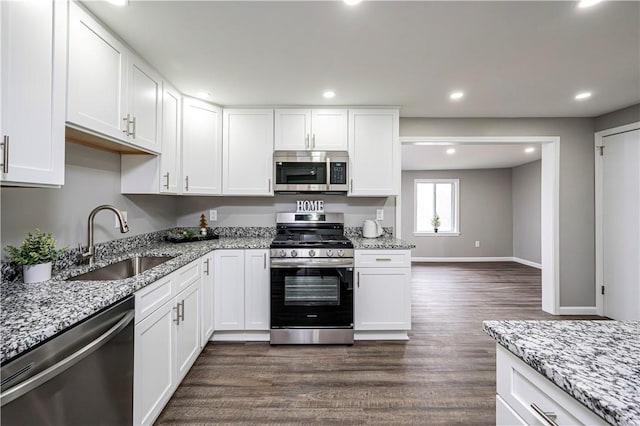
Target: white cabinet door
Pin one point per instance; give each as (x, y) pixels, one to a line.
(206, 300)
(374, 152)
(97, 77)
(171, 157)
(228, 290)
(257, 291)
(382, 299)
(248, 152)
(144, 104)
(33, 72)
(329, 129)
(187, 330)
(154, 364)
(292, 129)
(201, 148)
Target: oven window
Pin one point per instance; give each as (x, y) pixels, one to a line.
(311, 290)
(301, 173)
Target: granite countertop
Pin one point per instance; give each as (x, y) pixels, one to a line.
(596, 362)
(32, 313)
(386, 242)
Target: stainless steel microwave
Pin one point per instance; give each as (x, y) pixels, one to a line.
(311, 171)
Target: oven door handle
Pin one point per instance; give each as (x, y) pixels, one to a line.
(311, 263)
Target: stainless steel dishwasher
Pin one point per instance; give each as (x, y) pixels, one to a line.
(83, 376)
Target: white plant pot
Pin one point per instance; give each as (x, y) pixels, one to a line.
(36, 273)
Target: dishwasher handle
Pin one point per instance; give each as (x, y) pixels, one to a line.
(20, 389)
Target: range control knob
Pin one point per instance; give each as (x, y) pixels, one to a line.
(283, 253)
(340, 252)
(329, 253)
(312, 253)
(294, 253)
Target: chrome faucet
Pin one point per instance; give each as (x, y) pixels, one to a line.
(90, 253)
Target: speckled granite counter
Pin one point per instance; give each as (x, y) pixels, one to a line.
(31, 313)
(380, 243)
(596, 362)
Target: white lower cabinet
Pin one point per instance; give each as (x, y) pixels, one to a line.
(241, 290)
(166, 339)
(524, 394)
(383, 279)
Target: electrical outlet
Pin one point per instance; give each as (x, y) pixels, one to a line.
(213, 215)
(124, 215)
(380, 214)
(477, 243)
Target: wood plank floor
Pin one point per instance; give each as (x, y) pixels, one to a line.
(445, 375)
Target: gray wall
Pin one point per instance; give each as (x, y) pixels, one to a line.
(261, 211)
(577, 241)
(485, 215)
(92, 177)
(617, 118)
(526, 197)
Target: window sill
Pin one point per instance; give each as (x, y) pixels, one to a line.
(436, 234)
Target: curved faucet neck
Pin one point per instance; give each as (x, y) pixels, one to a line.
(124, 227)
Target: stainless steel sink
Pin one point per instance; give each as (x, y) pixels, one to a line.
(124, 269)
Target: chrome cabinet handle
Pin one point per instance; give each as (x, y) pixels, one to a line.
(5, 154)
(40, 378)
(383, 259)
(181, 304)
(313, 140)
(358, 279)
(127, 124)
(134, 127)
(306, 141)
(269, 190)
(177, 309)
(548, 416)
(166, 176)
(207, 270)
(186, 185)
(265, 260)
(351, 185)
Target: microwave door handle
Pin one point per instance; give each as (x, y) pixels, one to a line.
(328, 173)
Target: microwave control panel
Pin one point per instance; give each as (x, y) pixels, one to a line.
(338, 173)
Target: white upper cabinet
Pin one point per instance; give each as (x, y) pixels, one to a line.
(33, 72)
(311, 129)
(374, 152)
(201, 148)
(248, 152)
(111, 92)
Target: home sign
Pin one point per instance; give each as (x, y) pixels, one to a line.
(310, 206)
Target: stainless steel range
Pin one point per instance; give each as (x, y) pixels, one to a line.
(311, 280)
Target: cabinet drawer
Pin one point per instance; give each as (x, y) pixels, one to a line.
(505, 416)
(153, 296)
(521, 387)
(383, 258)
(186, 275)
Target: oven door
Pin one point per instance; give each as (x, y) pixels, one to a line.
(300, 176)
(311, 296)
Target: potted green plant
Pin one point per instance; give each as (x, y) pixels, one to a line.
(435, 222)
(36, 254)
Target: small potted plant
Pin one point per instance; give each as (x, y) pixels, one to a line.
(36, 254)
(435, 222)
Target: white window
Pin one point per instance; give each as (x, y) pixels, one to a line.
(436, 197)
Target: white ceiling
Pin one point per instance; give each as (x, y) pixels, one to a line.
(512, 58)
(469, 156)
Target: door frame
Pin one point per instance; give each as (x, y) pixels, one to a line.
(550, 200)
(599, 136)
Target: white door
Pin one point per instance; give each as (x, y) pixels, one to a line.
(329, 129)
(33, 58)
(170, 158)
(144, 91)
(257, 290)
(621, 225)
(292, 129)
(201, 148)
(228, 290)
(248, 152)
(97, 76)
(187, 331)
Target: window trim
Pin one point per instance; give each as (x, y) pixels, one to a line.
(456, 208)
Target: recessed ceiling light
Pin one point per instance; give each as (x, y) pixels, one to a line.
(203, 95)
(583, 96)
(451, 151)
(119, 2)
(456, 95)
(587, 3)
(529, 150)
(329, 94)
(352, 2)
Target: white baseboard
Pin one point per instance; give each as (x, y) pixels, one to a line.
(241, 336)
(462, 259)
(527, 262)
(577, 310)
(380, 335)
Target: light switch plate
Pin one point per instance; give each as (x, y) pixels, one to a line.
(477, 243)
(213, 215)
(380, 214)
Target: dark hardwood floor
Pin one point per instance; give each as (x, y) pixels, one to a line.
(445, 375)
